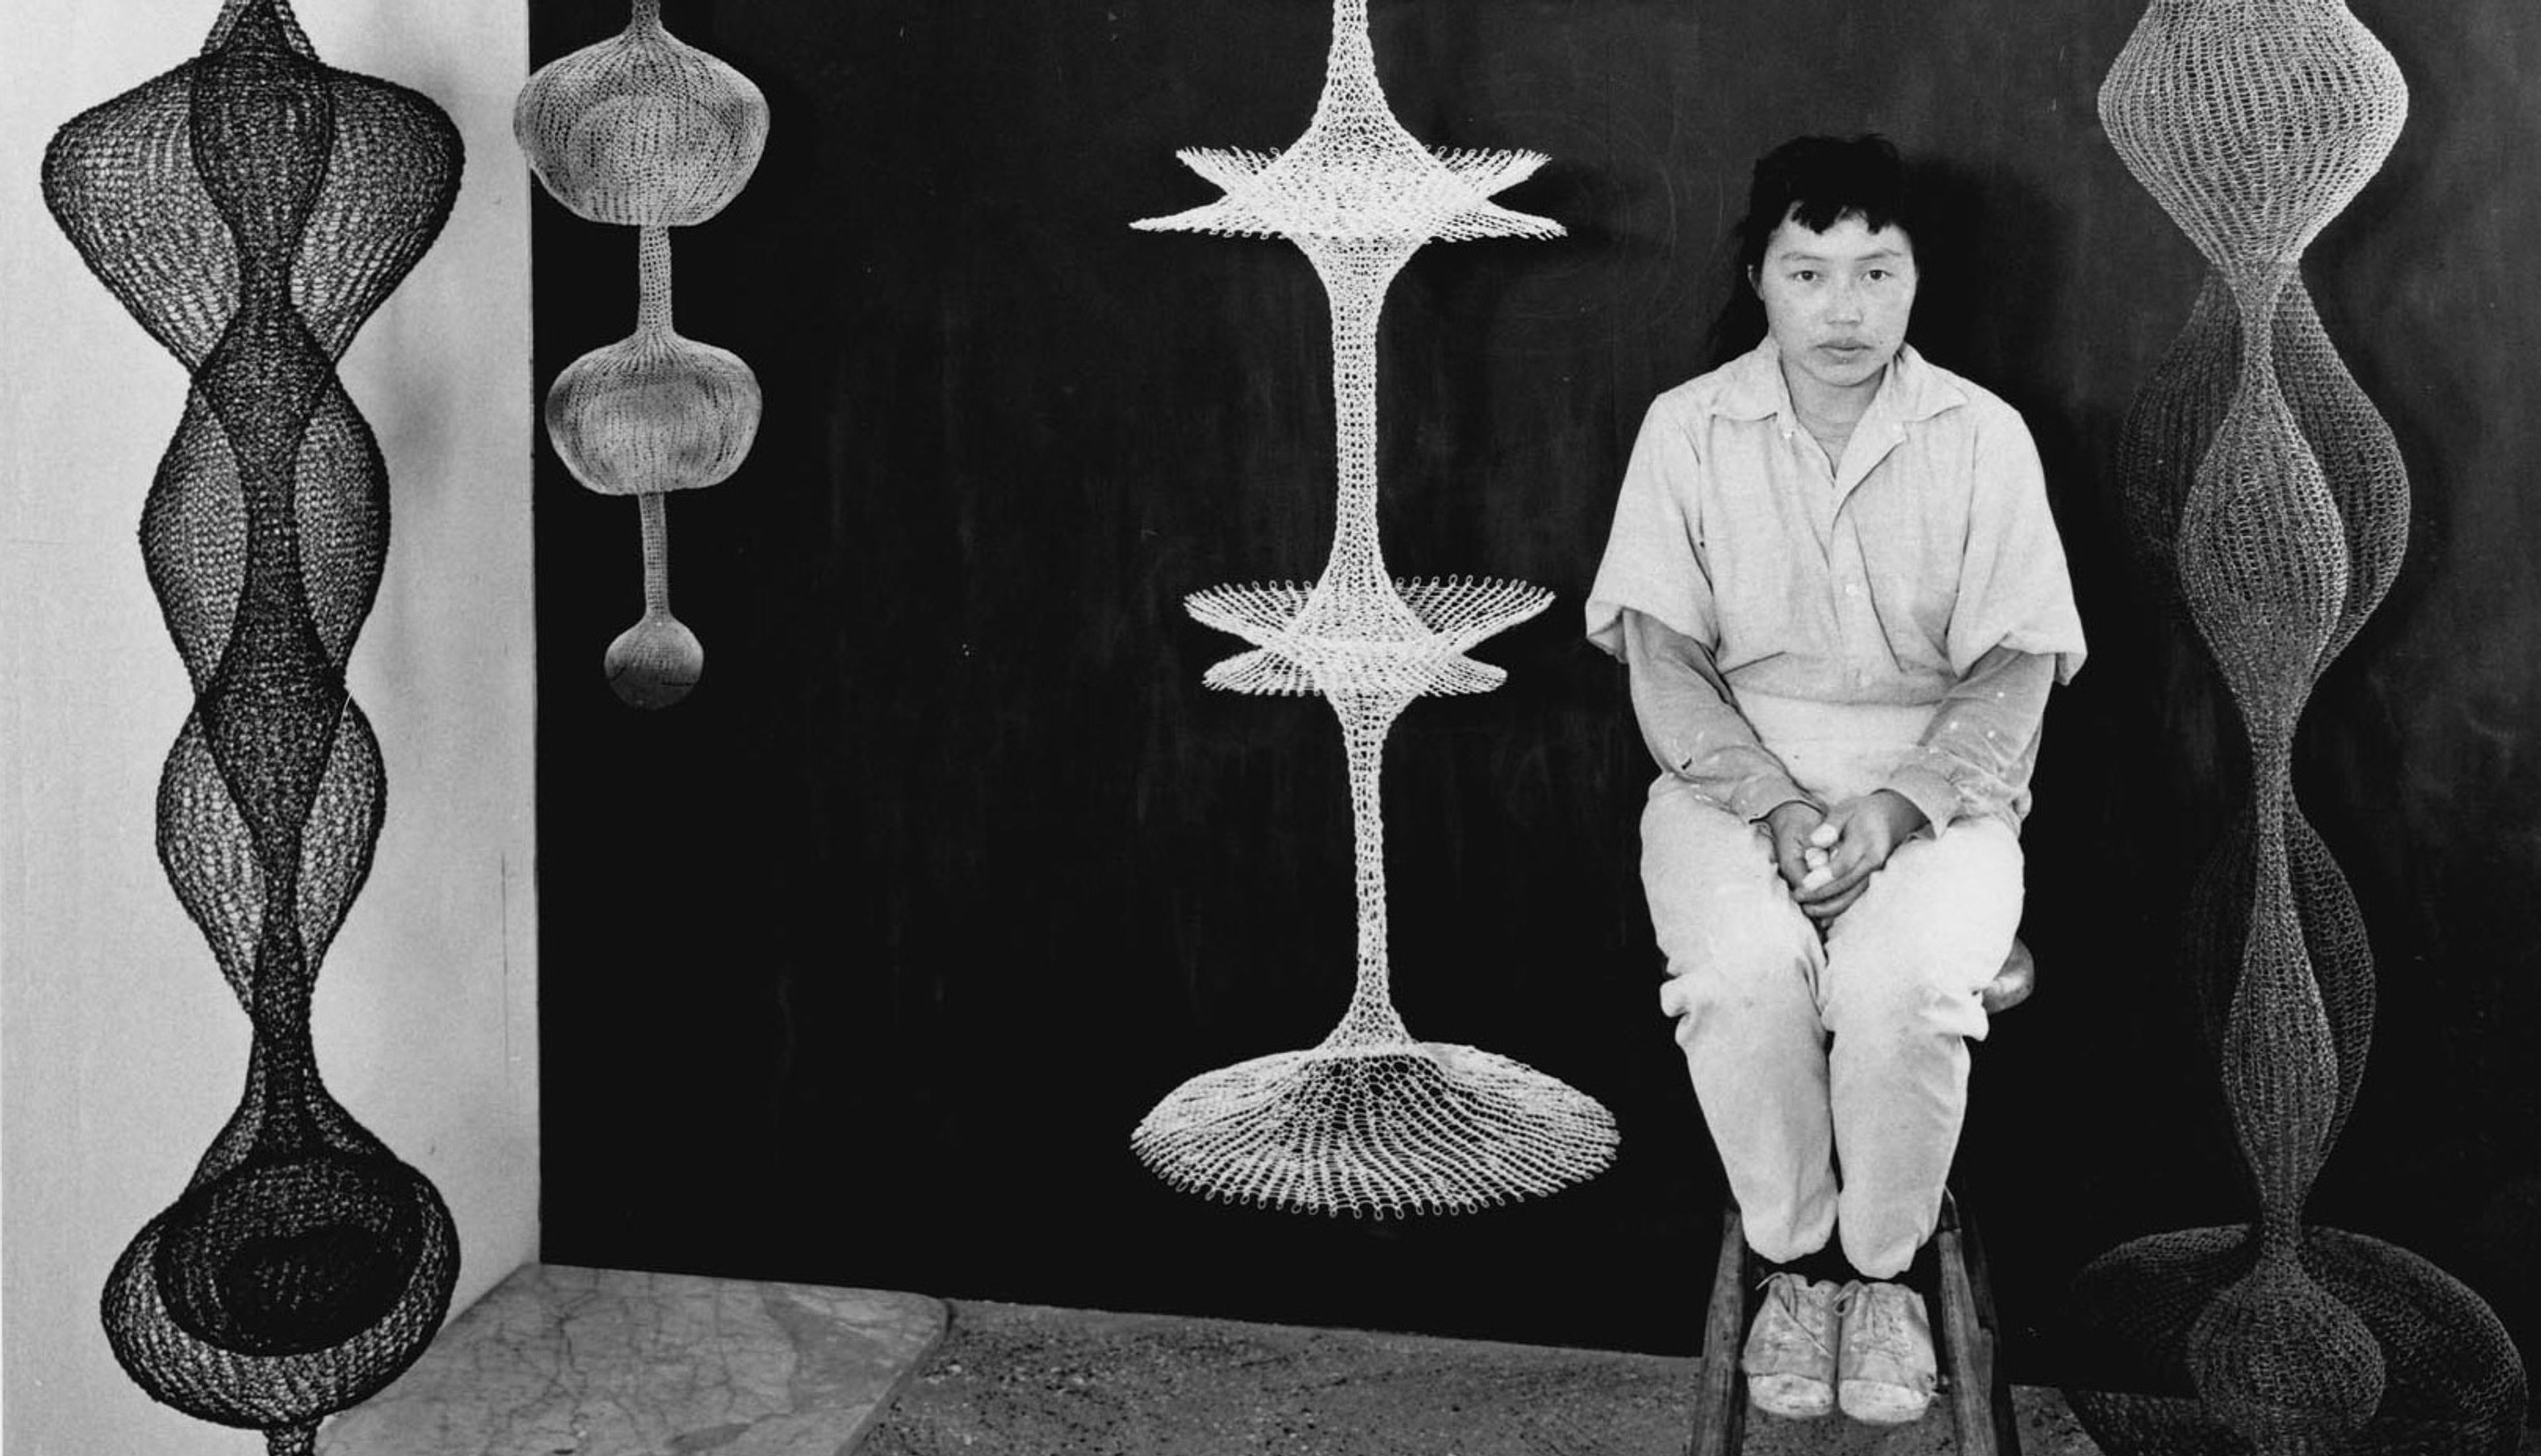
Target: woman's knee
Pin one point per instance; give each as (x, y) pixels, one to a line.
(1740, 950)
(1724, 918)
(1924, 940)
(1940, 907)
(1882, 1005)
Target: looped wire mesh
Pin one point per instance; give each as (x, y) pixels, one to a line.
(2268, 499)
(1356, 175)
(1370, 1119)
(252, 207)
(645, 131)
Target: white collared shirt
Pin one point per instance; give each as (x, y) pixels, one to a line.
(1884, 579)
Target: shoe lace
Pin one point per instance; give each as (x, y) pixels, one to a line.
(1883, 1315)
(1786, 1288)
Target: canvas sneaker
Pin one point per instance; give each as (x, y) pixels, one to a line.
(1884, 1364)
(1791, 1355)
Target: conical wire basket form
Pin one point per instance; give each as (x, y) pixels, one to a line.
(2266, 496)
(252, 208)
(1370, 1119)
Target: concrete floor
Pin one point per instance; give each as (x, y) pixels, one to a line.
(1031, 1379)
(565, 1361)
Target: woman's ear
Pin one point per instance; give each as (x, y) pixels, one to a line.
(1756, 282)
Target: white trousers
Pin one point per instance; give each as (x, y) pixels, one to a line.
(1832, 1071)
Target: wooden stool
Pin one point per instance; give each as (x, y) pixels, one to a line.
(1965, 1339)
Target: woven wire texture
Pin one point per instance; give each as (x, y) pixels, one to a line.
(644, 131)
(2267, 500)
(1370, 1119)
(252, 208)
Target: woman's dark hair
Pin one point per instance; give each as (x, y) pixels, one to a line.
(1815, 181)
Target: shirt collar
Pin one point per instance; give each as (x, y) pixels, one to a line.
(1754, 388)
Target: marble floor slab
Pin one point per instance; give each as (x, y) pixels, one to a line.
(559, 1361)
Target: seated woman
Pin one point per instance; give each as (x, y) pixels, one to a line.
(1842, 600)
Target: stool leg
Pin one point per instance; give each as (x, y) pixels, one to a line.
(1980, 1399)
(1720, 1391)
(2007, 1423)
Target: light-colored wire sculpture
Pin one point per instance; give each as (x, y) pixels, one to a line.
(2269, 494)
(1370, 1119)
(644, 131)
(252, 208)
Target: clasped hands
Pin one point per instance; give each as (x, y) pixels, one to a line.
(1866, 831)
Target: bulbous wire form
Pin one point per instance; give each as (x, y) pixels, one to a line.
(252, 208)
(1369, 1119)
(645, 131)
(2268, 499)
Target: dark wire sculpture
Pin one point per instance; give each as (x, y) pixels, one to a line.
(647, 132)
(2267, 499)
(1369, 1118)
(252, 208)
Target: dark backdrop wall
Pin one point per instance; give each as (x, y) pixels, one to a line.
(859, 966)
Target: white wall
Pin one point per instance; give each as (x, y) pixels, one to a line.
(121, 1051)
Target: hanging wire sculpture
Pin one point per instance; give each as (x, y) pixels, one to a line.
(1369, 1119)
(644, 131)
(252, 208)
(2268, 499)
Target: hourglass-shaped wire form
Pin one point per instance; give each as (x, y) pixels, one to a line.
(2267, 493)
(1369, 1118)
(252, 208)
(645, 131)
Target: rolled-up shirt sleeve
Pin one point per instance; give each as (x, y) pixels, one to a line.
(1975, 759)
(2016, 635)
(2014, 591)
(1691, 725)
(1653, 563)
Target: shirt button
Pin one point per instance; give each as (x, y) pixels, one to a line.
(1853, 588)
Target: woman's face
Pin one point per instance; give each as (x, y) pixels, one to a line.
(1837, 301)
